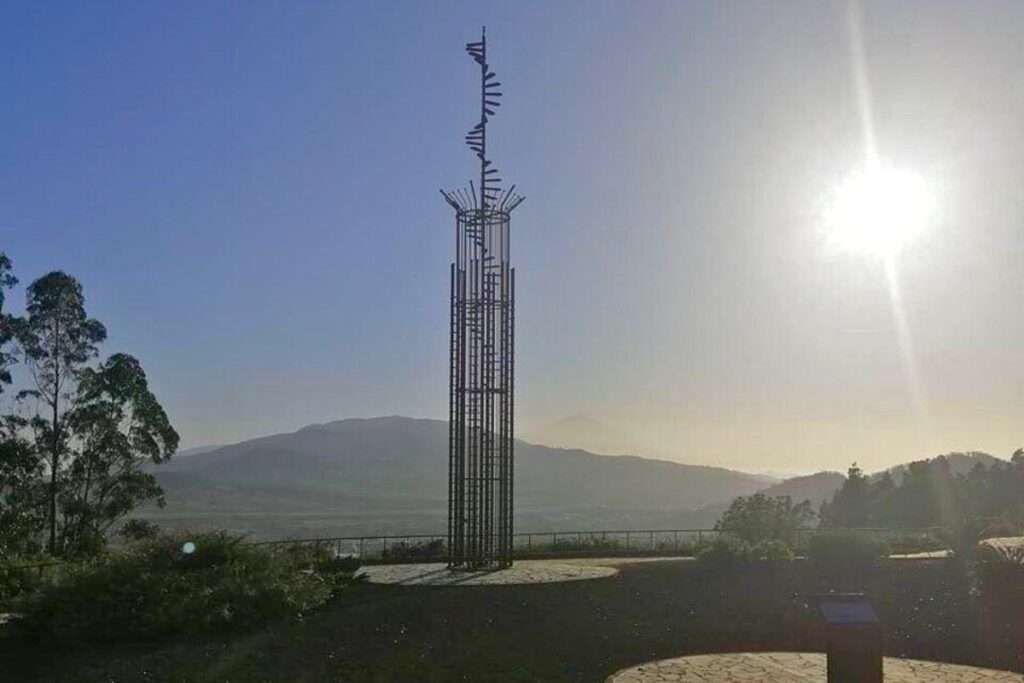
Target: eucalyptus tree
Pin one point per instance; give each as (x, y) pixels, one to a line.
(19, 463)
(117, 425)
(7, 280)
(58, 339)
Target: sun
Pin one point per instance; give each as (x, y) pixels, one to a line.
(878, 210)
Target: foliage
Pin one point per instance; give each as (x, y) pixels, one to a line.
(986, 500)
(20, 576)
(723, 553)
(7, 280)
(845, 550)
(424, 550)
(139, 530)
(851, 505)
(771, 550)
(21, 494)
(91, 427)
(999, 571)
(20, 469)
(117, 422)
(57, 338)
(728, 552)
(209, 582)
(759, 517)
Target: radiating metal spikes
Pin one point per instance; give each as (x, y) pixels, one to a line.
(489, 195)
(476, 138)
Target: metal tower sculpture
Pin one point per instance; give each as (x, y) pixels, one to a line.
(480, 462)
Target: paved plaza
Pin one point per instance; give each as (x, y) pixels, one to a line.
(522, 572)
(795, 667)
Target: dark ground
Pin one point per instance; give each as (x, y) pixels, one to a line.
(579, 631)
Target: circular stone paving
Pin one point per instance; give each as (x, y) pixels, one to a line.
(524, 571)
(794, 667)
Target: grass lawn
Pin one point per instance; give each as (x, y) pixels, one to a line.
(580, 631)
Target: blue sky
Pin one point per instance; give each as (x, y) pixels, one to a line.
(248, 192)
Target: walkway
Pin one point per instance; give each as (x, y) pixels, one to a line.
(795, 667)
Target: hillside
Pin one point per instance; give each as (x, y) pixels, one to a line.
(389, 475)
(816, 488)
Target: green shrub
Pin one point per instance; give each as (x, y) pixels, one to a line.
(724, 552)
(772, 550)
(180, 584)
(845, 550)
(139, 530)
(1000, 575)
(18, 578)
(423, 550)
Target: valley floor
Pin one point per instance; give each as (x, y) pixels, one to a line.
(581, 631)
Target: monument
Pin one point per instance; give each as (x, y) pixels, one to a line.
(481, 378)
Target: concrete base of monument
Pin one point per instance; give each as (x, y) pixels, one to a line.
(794, 667)
(522, 572)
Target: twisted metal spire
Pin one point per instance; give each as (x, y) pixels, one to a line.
(489, 194)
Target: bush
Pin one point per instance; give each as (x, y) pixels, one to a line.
(139, 530)
(180, 584)
(771, 550)
(1000, 566)
(725, 552)
(845, 550)
(759, 517)
(424, 550)
(19, 578)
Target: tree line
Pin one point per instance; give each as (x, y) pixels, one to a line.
(986, 501)
(75, 428)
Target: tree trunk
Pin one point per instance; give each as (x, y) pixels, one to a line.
(54, 461)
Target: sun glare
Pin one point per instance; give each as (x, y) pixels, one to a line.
(878, 210)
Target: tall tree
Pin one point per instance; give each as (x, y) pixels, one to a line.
(850, 507)
(7, 280)
(19, 462)
(21, 491)
(58, 339)
(117, 424)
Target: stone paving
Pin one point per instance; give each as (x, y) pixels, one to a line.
(795, 667)
(523, 571)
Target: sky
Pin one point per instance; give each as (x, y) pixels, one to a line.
(248, 193)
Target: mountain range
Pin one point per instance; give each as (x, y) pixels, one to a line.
(388, 475)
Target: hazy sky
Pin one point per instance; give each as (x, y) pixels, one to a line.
(248, 192)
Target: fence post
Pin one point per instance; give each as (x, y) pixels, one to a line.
(627, 540)
(675, 541)
(652, 541)
(362, 547)
(700, 536)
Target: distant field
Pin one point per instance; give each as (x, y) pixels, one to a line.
(560, 632)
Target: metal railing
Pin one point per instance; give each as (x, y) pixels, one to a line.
(524, 544)
(432, 547)
(412, 547)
